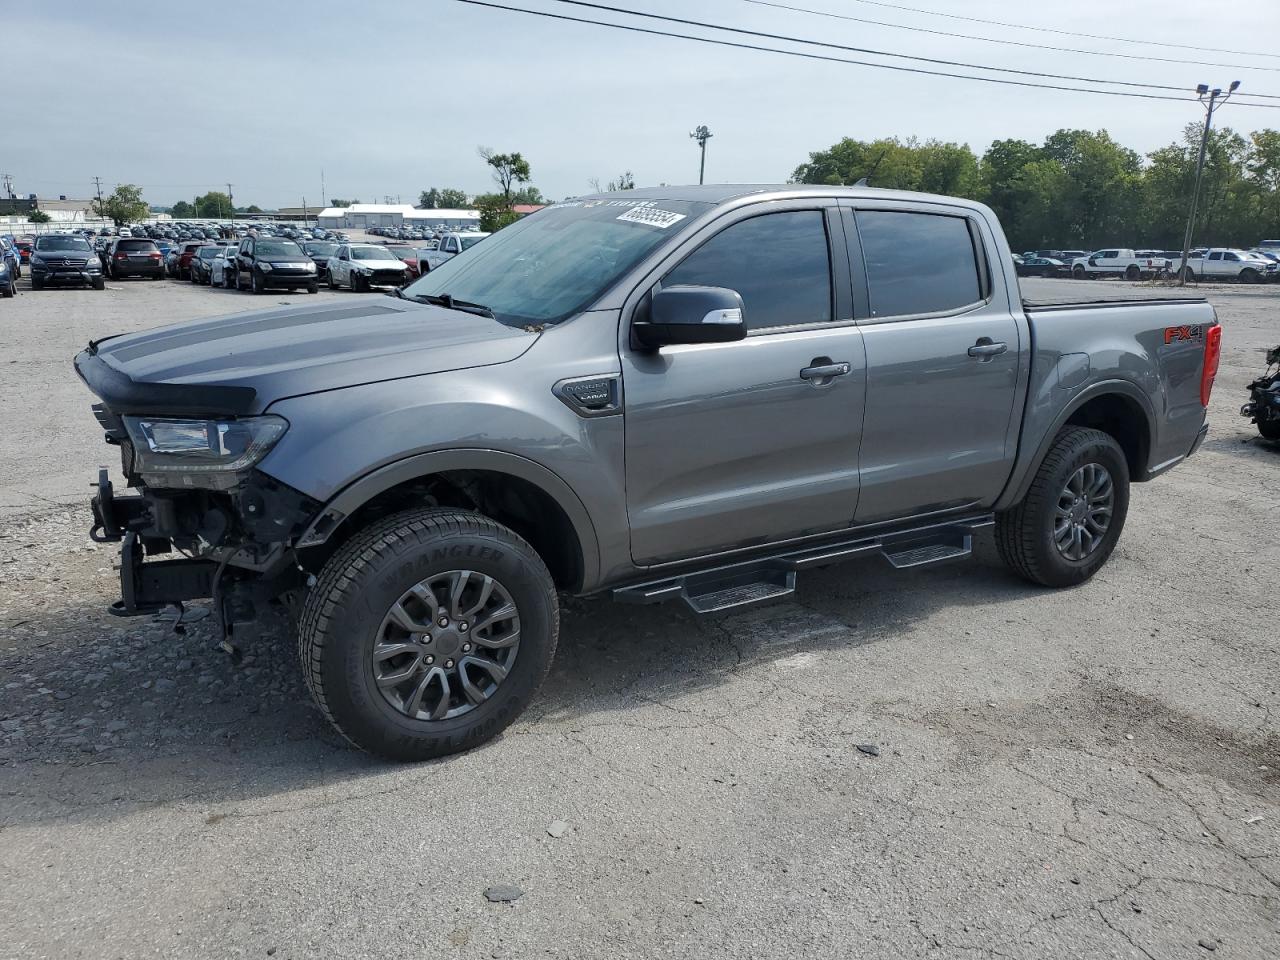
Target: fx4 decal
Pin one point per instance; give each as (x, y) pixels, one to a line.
(1179, 334)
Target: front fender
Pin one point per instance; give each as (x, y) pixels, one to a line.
(365, 488)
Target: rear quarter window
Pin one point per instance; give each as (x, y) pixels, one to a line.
(918, 263)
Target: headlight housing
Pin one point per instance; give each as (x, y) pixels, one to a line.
(264, 266)
(200, 453)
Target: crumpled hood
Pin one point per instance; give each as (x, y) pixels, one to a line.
(288, 352)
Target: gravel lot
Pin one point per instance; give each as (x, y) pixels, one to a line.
(1083, 774)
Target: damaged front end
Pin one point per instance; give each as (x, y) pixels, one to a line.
(198, 494)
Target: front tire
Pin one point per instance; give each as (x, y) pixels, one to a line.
(428, 633)
(256, 283)
(99, 283)
(313, 286)
(1269, 429)
(1065, 528)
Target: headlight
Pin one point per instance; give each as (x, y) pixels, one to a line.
(265, 267)
(310, 266)
(200, 453)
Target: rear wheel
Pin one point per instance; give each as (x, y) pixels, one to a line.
(9, 289)
(428, 633)
(1078, 272)
(1270, 429)
(1132, 272)
(1067, 525)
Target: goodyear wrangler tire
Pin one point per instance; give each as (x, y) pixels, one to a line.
(428, 633)
(1066, 527)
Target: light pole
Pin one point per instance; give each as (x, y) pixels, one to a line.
(1216, 99)
(702, 135)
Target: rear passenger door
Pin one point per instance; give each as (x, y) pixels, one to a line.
(942, 361)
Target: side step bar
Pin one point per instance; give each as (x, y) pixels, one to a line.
(747, 583)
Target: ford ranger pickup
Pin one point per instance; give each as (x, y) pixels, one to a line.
(689, 394)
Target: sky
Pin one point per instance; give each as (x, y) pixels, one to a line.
(390, 97)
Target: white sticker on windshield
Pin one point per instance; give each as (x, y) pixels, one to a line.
(651, 216)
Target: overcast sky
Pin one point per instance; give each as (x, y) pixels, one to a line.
(388, 97)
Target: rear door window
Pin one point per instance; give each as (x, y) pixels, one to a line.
(918, 263)
(137, 246)
(778, 262)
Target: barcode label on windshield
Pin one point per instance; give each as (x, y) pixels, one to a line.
(652, 216)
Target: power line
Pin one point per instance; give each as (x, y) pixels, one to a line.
(1066, 33)
(830, 59)
(879, 53)
(1002, 40)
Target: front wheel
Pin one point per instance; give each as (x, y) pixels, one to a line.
(1270, 429)
(1067, 525)
(313, 286)
(99, 283)
(428, 633)
(256, 283)
(1250, 275)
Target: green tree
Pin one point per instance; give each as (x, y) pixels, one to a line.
(528, 195)
(508, 170)
(251, 208)
(626, 181)
(448, 198)
(38, 216)
(495, 212)
(213, 205)
(182, 210)
(125, 205)
(342, 203)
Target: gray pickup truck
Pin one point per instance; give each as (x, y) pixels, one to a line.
(680, 393)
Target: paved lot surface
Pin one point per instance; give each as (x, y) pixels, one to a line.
(1084, 774)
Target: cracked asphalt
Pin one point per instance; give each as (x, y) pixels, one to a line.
(1092, 773)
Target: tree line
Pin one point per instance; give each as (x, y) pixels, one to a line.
(1081, 189)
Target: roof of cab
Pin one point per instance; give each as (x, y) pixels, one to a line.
(719, 193)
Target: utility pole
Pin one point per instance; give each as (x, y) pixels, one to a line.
(702, 135)
(1216, 99)
(8, 184)
(324, 197)
(231, 202)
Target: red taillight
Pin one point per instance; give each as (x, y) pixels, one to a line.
(121, 255)
(156, 255)
(1212, 354)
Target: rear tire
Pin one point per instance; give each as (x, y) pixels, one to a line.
(1078, 272)
(1132, 272)
(9, 289)
(391, 567)
(1029, 535)
(1269, 429)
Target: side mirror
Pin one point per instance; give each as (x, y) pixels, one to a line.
(689, 314)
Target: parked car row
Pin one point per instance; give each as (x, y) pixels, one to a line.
(1219, 263)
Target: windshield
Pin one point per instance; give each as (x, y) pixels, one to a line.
(469, 242)
(551, 264)
(62, 243)
(372, 253)
(209, 253)
(320, 249)
(278, 248)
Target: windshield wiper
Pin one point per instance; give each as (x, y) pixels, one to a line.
(449, 303)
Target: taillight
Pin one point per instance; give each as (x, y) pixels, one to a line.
(1212, 354)
(156, 255)
(121, 255)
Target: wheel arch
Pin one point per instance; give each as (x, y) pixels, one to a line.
(513, 490)
(1116, 407)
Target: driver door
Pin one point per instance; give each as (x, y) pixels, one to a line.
(731, 445)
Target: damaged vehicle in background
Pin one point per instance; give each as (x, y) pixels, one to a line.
(1263, 408)
(681, 393)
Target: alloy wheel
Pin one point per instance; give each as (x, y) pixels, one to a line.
(1083, 514)
(446, 645)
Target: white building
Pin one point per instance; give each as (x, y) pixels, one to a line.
(360, 216)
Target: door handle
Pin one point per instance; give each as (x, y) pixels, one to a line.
(825, 371)
(986, 349)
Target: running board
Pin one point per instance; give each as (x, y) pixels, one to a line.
(765, 579)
